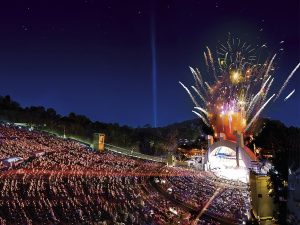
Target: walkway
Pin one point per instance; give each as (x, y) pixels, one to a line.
(134, 154)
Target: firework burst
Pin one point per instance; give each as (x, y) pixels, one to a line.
(237, 90)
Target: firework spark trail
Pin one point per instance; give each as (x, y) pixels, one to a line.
(194, 74)
(252, 104)
(207, 85)
(289, 95)
(267, 90)
(199, 74)
(201, 82)
(248, 47)
(258, 112)
(287, 80)
(250, 109)
(256, 97)
(269, 67)
(225, 58)
(190, 94)
(202, 117)
(201, 109)
(206, 61)
(197, 78)
(211, 60)
(223, 47)
(198, 93)
(265, 83)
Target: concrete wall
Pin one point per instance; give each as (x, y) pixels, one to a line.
(262, 204)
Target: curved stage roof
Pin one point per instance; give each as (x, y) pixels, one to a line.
(232, 144)
(222, 159)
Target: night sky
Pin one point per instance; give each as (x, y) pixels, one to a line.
(120, 61)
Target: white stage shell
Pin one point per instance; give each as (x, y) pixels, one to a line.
(221, 160)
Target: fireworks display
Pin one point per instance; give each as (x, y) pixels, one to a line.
(289, 95)
(238, 87)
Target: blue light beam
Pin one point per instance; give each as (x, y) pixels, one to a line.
(154, 71)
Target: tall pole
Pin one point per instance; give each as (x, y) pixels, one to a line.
(237, 157)
(239, 144)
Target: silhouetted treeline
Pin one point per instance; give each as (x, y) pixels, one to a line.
(148, 140)
(284, 144)
(282, 141)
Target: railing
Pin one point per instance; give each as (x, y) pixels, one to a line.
(134, 154)
(113, 148)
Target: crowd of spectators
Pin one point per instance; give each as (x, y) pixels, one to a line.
(17, 141)
(194, 191)
(232, 203)
(73, 184)
(43, 199)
